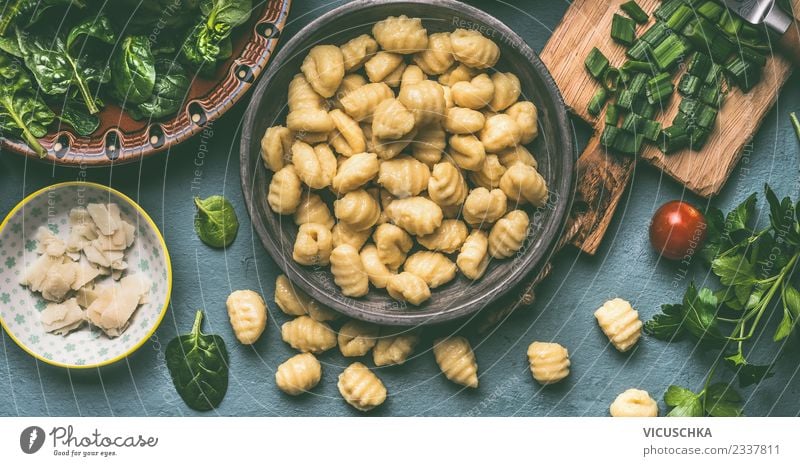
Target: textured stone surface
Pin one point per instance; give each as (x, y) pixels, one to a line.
(625, 266)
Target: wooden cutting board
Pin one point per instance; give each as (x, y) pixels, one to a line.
(603, 177)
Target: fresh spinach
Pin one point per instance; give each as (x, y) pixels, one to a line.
(198, 364)
(208, 41)
(169, 92)
(73, 114)
(133, 70)
(29, 11)
(22, 113)
(215, 222)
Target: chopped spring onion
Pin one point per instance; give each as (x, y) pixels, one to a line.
(628, 143)
(597, 101)
(689, 85)
(730, 24)
(643, 108)
(632, 123)
(699, 65)
(721, 48)
(714, 74)
(711, 94)
(651, 129)
(625, 99)
(700, 33)
(678, 19)
(636, 86)
(611, 79)
(706, 116)
(656, 33)
(796, 124)
(673, 138)
(612, 115)
(698, 137)
(639, 51)
(659, 88)
(669, 52)
(710, 10)
(635, 12)
(745, 74)
(623, 30)
(633, 66)
(665, 10)
(752, 55)
(608, 136)
(689, 107)
(596, 63)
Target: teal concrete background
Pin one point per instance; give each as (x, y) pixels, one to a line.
(624, 266)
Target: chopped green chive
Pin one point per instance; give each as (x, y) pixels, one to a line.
(699, 65)
(636, 86)
(659, 88)
(632, 123)
(612, 115)
(678, 19)
(673, 138)
(596, 63)
(643, 108)
(666, 9)
(623, 30)
(625, 99)
(700, 33)
(628, 143)
(597, 102)
(611, 79)
(710, 10)
(743, 73)
(669, 52)
(698, 137)
(689, 85)
(711, 94)
(635, 11)
(656, 33)
(633, 66)
(608, 136)
(651, 129)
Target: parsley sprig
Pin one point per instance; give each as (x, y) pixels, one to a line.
(755, 268)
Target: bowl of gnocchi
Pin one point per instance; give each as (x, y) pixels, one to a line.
(407, 162)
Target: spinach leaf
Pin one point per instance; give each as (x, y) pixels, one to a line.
(98, 27)
(22, 113)
(133, 71)
(215, 223)
(169, 92)
(56, 71)
(198, 364)
(73, 114)
(208, 41)
(24, 13)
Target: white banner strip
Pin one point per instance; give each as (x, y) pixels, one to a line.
(398, 441)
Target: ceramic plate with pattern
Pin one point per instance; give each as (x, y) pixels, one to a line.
(20, 308)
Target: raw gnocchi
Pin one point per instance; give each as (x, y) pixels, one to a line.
(248, 315)
(361, 388)
(294, 302)
(456, 360)
(408, 138)
(620, 322)
(634, 403)
(356, 338)
(549, 362)
(307, 335)
(394, 349)
(298, 374)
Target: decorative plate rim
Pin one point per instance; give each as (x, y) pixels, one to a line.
(167, 263)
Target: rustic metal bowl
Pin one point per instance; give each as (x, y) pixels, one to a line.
(121, 139)
(553, 148)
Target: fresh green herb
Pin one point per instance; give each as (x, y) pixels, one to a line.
(637, 84)
(796, 124)
(755, 266)
(25, 13)
(628, 142)
(711, 94)
(640, 51)
(656, 33)
(673, 139)
(596, 63)
(666, 9)
(717, 400)
(744, 73)
(710, 10)
(651, 130)
(198, 364)
(215, 222)
(689, 85)
(209, 41)
(635, 11)
(73, 114)
(597, 101)
(678, 19)
(699, 65)
(633, 66)
(625, 99)
(623, 30)
(669, 52)
(643, 108)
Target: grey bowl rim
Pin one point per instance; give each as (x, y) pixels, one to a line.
(550, 232)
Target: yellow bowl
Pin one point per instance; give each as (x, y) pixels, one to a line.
(20, 308)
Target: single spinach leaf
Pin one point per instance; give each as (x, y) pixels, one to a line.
(198, 364)
(73, 114)
(25, 13)
(133, 71)
(96, 27)
(215, 223)
(169, 92)
(22, 113)
(209, 40)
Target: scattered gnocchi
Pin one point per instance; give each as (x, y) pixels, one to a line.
(413, 141)
(634, 403)
(620, 322)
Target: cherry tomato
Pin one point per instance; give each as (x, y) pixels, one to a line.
(677, 230)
